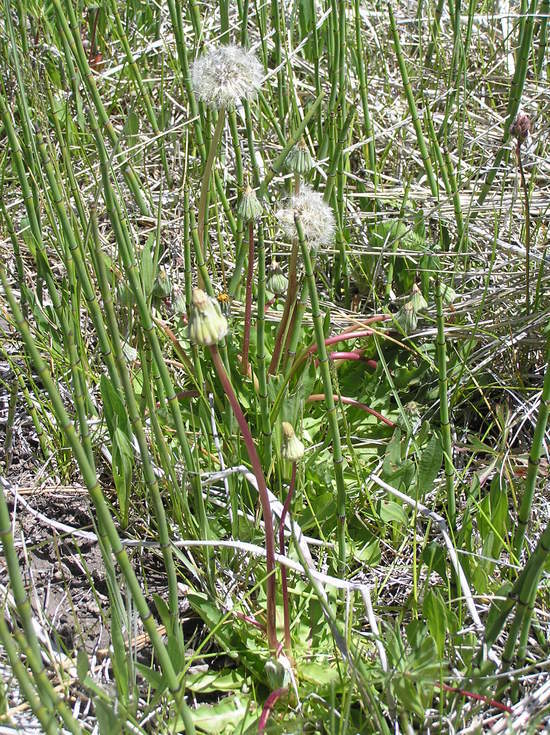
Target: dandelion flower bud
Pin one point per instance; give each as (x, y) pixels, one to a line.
(521, 127)
(277, 282)
(249, 207)
(418, 301)
(315, 216)
(162, 287)
(407, 316)
(207, 324)
(226, 74)
(293, 449)
(299, 159)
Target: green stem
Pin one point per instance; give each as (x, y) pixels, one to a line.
(444, 406)
(205, 183)
(527, 228)
(284, 582)
(534, 458)
(422, 147)
(248, 300)
(329, 399)
(516, 90)
(261, 358)
(42, 712)
(104, 517)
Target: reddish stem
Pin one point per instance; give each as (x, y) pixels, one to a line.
(284, 583)
(262, 492)
(354, 355)
(478, 697)
(250, 621)
(268, 706)
(341, 338)
(352, 402)
(248, 299)
(269, 304)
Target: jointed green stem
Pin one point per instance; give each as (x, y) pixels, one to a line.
(527, 26)
(444, 406)
(422, 147)
(534, 459)
(96, 495)
(329, 398)
(43, 713)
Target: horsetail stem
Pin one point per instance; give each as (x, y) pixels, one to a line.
(337, 457)
(446, 439)
(100, 506)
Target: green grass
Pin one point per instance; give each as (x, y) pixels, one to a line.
(408, 353)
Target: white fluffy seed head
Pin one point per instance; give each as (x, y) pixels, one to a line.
(315, 215)
(226, 74)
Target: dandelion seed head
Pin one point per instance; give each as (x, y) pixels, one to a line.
(226, 74)
(315, 215)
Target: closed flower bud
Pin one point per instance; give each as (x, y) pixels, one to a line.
(180, 305)
(448, 294)
(407, 317)
(207, 324)
(418, 301)
(299, 159)
(225, 75)
(293, 449)
(249, 207)
(521, 127)
(162, 288)
(277, 282)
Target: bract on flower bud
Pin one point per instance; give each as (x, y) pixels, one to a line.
(207, 324)
(179, 304)
(521, 127)
(277, 282)
(418, 301)
(162, 288)
(299, 159)
(293, 449)
(407, 317)
(249, 206)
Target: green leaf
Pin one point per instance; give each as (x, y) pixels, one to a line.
(429, 465)
(153, 677)
(319, 675)
(147, 268)
(123, 461)
(206, 682)
(107, 721)
(82, 664)
(131, 128)
(433, 556)
(222, 717)
(435, 612)
(113, 408)
(391, 511)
